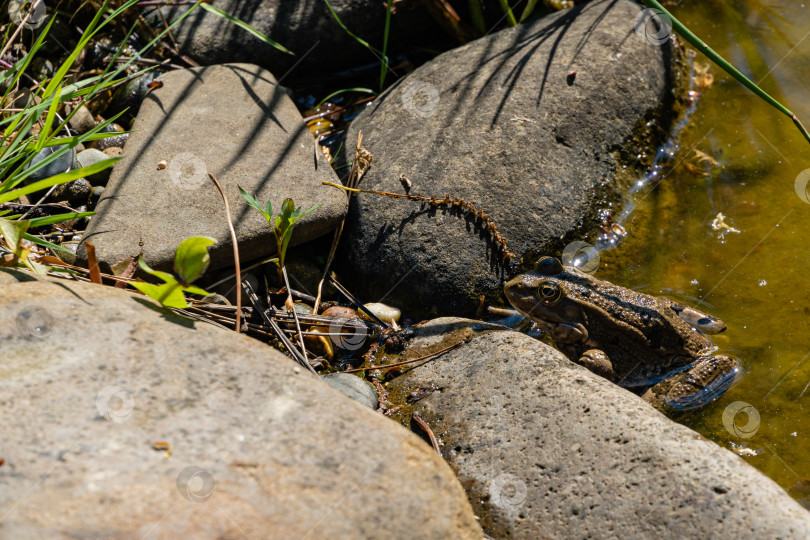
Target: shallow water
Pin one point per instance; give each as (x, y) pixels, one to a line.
(756, 280)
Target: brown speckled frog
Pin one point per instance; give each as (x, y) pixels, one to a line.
(633, 339)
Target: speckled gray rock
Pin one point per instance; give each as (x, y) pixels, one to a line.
(353, 387)
(92, 156)
(306, 27)
(497, 123)
(546, 449)
(93, 378)
(234, 122)
(65, 162)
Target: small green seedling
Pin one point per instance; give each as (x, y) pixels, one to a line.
(282, 225)
(190, 261)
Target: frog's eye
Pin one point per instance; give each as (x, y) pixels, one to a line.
(548, 266)
(549, 292)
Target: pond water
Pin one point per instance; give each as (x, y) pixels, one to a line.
(756, 279)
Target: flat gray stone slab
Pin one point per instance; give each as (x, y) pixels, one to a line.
(236, 123)
(501, 123)
(547, 449)
(93, 377)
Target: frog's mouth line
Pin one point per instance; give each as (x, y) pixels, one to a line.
(539, 314)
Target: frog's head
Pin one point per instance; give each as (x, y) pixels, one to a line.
(545, 295)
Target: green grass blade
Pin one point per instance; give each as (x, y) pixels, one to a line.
(245, 26)
(384, 65)
(61, 178)
(358, 39)
(510, 17)
(45, 243)
(477, 16)
(45, 134)
(527, 11)
(50, 220)
(701, 46)
(344, 91)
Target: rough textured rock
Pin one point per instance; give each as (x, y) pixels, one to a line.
(501, 123)
(234, 122)
(93, 378)
(307, 28)
(546, 449)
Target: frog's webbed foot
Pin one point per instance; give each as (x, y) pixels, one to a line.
(598, 362)
(705, 381)
(697, 319)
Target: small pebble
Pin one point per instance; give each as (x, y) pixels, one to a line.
(162, 164)
(354, 387)
(384, 312)
(82, 121)
(113, 151)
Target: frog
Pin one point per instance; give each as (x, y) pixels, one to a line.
(651, 345)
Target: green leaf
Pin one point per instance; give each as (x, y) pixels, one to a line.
(192, 259)
(192, 289)
(168, 294)
(13, 232)
(308, 211)
(44, 134)
(254, 202)
(165, 276)
(245, 26)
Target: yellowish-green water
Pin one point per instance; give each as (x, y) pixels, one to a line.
(757, 280)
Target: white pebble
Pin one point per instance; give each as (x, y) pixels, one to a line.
(383, 312)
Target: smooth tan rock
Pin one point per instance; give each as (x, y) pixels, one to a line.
(234, 122)
(93, 377)
(547, 449)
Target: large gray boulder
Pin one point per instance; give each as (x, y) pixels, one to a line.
(235, 122)
(504, 123)
(307, 28)
(547, 449)
(95, 381)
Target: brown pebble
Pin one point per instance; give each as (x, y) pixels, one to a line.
(340, 312)
(113, 151)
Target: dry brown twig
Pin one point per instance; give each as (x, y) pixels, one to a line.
(449, 202)
(235, 255)
(361, 163)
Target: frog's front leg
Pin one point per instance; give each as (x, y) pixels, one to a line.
(698, 319)
(598, 362)
(706, 380)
